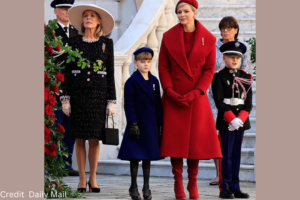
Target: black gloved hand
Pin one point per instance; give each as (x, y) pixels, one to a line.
(134, 131)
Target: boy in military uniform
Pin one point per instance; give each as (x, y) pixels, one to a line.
(232, 94)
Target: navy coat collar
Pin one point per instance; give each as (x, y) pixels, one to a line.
(148, 88)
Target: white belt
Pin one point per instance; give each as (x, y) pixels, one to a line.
(234, 101)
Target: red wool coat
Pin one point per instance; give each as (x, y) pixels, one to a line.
(188, 132)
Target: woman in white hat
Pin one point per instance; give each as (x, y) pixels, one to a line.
(90, 93)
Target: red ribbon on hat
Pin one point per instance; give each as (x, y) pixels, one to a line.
(192, 2)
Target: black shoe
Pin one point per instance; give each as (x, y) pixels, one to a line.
(96, 190)
(226, 194)
(81, 189)
(240, 194)
(134, 194)
(147, 193)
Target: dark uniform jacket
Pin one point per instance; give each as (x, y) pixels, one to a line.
(222, 88)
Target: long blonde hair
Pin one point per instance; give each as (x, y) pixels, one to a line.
(99, 31)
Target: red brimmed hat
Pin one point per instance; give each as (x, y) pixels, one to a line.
(192, 2)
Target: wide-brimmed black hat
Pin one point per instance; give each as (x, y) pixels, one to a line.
(62, 3)
(233, 48)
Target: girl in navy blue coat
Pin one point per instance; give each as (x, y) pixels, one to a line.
(143, 110)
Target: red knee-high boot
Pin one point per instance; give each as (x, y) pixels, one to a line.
(177, 169)
(192, 174)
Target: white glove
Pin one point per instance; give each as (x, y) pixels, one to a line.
(237, 123)
(110, 109)
(66, 107)
(230, 128)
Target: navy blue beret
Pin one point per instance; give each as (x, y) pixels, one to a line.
(233, 48)
(62, 3)
(143, 49)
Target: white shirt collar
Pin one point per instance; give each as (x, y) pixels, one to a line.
(63, 25)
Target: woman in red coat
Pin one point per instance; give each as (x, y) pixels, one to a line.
(186, 68)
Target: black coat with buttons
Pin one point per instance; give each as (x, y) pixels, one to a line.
(89, 91)
(222, 88)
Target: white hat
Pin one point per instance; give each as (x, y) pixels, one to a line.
(75, 16)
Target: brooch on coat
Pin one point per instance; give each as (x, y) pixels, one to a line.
(103, 47)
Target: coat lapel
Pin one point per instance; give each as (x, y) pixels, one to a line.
(203, 42)
(61, 31)
(144, 85)
(72, 31)
(174, 41)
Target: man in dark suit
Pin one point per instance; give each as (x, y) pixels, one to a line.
(65, 30)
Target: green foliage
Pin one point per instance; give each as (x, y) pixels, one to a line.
(252, 42)
(54, 165)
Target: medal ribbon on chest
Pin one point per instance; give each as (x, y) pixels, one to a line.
(103, 47)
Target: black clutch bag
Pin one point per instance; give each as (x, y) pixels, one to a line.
(111, 136)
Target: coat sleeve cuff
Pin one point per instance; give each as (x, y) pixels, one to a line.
(229, 116)
(243, 115)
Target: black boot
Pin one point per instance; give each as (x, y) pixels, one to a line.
(240, 194)
(226, 194)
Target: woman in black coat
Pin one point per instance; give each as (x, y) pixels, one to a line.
(91, 94)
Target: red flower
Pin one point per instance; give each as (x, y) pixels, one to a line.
(46, 59)
(49, 49)
(60, 77)
(58, 48)
(61, 129)
(55, 89)
(47, 131)
(52, 149)
(46, 97)
(47, 78)
(52, 153)
(54, 35)
(48, 110)
(47, 93)
(46, 150)
(52, 100)
(47, 138)
(63, 137)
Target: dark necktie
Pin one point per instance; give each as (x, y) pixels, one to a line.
(66, 29)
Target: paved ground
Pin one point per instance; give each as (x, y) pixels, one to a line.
(116, 187)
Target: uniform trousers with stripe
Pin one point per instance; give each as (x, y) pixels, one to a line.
(231, 146)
